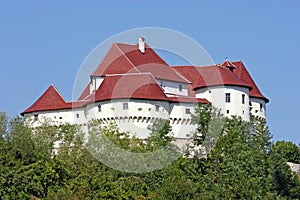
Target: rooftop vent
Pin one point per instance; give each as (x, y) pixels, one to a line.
(141, 43)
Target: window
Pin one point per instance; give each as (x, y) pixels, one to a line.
(180, 87)
(227, 97)
(60, 117)
(243, 99)
(36, 117)
(187, 111)
(99, 108)
(77, 115)
(261, 107)
(156, 107)
(125, 106)
(227, 111)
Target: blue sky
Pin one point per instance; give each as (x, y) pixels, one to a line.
(44, 42)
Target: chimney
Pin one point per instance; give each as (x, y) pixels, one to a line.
(141, 43)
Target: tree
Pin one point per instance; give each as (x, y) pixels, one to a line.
(235, 169)
(284, 182)
(287, 150)
(243, 163)
(209, 122)
(160, 135)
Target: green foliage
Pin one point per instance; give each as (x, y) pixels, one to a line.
(237, 170)
(209, 123)
(243, 163)
(284, 182)
(160, 135)
(287, 150)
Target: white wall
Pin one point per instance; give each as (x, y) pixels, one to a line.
(139, 115)
(173, 87)
(256, 108)
(180, 120)
(96, 82)
(216, 95)
(142, 113)
(57, 117)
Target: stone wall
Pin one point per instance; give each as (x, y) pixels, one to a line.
(295, 167)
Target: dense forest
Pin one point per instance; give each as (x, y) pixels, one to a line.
(227, 158)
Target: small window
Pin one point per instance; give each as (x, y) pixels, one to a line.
(180, 87)
(125, 106)
(99, 108)
(77, 115)
(250, 103)
(227, 111)
(227, 97)
(187, 111)
(261, 107)
(36, 117)
(60, 117)
(156, 107)
(162, 84)
(243, 99)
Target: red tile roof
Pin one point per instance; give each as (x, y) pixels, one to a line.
(164, 72)
(137, 58)
(125, 58)
(115, 62)
(210, 76)
(129, 74)
(128, 86)
(227, 63)
(242, 73)
(85, 93)
(185, 99)
(50, 100)
(131, 86)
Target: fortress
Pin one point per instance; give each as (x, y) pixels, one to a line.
(133, 86)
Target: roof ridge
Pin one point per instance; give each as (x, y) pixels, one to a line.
(248, 85)
(128, 74)
(126, 57)
(51, 85)
(181, 76)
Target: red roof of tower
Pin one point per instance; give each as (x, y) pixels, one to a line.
(85, 93)
(137, 58)
(125, 58)
(131, 86)
(114, 62)
(50, 100)
(186, 99)
(242, 73)
(210, 76)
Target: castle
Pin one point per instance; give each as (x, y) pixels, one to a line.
(133, 86)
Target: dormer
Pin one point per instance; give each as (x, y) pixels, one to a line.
(228, 65)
